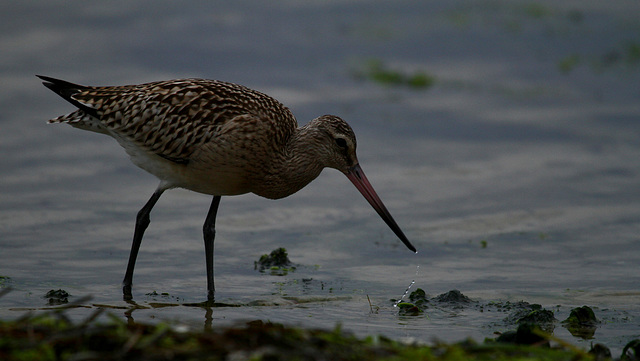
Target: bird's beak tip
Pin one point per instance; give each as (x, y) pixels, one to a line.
(410, 246)
(357, 177)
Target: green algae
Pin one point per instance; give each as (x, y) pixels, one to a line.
(277, 263)
(57, 297)
(52, 337)
(378, 72)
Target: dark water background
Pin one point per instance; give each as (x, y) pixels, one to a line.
(528, 143)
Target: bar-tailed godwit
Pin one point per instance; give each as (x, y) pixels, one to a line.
(215, 138)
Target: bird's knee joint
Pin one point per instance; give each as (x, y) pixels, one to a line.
(209, 232)
(143, 219)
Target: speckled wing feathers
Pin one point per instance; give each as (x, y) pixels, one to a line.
(170, 118)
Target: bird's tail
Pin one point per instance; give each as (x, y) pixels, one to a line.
(67, 91)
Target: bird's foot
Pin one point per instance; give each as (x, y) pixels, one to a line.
(126, 293)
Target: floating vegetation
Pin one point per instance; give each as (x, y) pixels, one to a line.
(419, 301)
(514, 17)
(155, 293)
(622, 56)
(568, 63)
(375, 70)
(408, 309)
(5, 281)
(582, 316)
(419, 297)
(453, 296)
(52, 336)
(536, 10)
(551, 21)
(633, 53)
(529, 324)
(627, 54)
(582, 322)
(538, 316)
(277, 263)
(57, 297)
(526, 334)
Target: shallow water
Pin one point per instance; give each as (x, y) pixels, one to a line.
(511, 148)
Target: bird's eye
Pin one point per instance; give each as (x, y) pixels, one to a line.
(341, 143)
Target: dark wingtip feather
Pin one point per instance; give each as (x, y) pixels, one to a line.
(63, 88)
(66, 90)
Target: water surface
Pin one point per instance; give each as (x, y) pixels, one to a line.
(526, 144)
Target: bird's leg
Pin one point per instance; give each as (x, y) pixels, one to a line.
(209, 231)
(142, 222)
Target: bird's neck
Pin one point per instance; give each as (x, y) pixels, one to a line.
(295, 166)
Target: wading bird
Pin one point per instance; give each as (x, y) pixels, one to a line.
(215, 138)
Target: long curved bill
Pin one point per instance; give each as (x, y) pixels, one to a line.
(357, 177)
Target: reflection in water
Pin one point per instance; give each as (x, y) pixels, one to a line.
(208, 307)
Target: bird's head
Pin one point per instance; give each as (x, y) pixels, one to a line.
(337, 143)
(338, 151)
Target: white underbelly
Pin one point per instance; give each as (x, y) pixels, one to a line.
(215, 180)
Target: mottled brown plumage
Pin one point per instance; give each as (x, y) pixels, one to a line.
(215, 138)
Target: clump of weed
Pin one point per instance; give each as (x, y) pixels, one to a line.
(54, 336)
(277, 263)
(57, 297)
(375, 70)
(582, 322)
(626, 55)
(568, 63)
